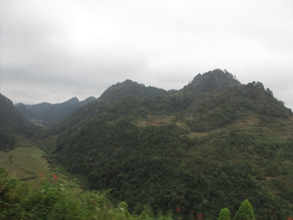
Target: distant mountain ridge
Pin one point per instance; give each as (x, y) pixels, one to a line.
(52, 112)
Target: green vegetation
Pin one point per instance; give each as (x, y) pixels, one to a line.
(225, 214)
(245, 212)
(218, 107)
(129, 87)
(212, 144)
(150, 148)
(162, 168)
(12, 125)
(11, 120)
(52, 200)
(7, 141)
(46, 113)
(26, 162)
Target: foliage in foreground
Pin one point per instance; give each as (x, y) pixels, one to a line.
(53, 201)
(225, 214)
(245, 211)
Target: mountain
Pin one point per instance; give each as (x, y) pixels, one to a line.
(210, 145)
(129, 87)
(218, 99)
(114, 94)
(52, 112)
(10, 118)
(12, 123)
(215, 80)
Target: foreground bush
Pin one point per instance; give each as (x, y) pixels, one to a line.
(19, 201)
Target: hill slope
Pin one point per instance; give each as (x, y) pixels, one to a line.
(11, 123)
(52, 112)
(210, 145)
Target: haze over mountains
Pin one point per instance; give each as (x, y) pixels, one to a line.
(212, 144)
(51, 112)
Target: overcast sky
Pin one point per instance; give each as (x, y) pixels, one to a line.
(52, 50)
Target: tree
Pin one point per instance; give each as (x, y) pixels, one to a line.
(225, 214)
(245, 212)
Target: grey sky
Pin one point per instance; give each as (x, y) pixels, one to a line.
(54, 50)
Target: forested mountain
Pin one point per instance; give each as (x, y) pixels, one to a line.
(114, 94)
(211, 81)
(11, 123)
(52, 112)
(210, 145)
(129, 87)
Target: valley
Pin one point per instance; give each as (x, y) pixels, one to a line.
(27, 163)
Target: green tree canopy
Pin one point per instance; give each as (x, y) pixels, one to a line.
(225, 214)
(245, 212)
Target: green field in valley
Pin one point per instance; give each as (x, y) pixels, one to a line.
(26, 162)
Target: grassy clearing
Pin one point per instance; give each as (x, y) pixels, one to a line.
(30, 160)
(12, 169)
(155, 120)
(26, 162)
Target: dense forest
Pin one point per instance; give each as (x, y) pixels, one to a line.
(202, 150)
